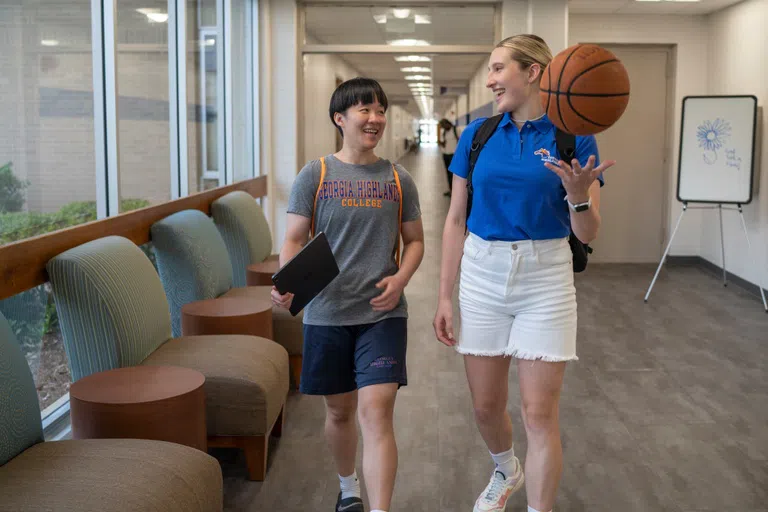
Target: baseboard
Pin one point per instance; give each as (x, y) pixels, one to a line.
(716, 270)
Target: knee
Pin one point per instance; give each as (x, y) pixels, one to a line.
(488, 410)
(376, 416)
(540, 418)
(340, 415)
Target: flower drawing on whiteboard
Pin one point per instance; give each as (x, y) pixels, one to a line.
(712, 136)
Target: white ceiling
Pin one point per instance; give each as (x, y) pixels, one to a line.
(468, 22)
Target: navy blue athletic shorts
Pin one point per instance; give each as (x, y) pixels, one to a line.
(340, 359)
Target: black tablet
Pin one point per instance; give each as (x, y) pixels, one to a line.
(308, 273)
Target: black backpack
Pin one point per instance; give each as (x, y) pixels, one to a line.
(566, 146)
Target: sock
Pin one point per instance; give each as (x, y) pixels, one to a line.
(506, 462)
(531, 509)
(350, 486)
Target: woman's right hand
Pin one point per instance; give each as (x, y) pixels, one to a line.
(443, 323)
(283, 301)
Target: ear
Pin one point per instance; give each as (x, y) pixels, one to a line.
(338, 118)
(534, 72)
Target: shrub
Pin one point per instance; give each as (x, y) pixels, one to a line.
(11, 190)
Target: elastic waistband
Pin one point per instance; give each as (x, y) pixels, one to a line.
(522, 246)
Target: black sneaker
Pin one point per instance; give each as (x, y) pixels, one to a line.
(349, 505)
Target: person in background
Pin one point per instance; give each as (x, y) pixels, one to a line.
(355, 330)
(448, 139)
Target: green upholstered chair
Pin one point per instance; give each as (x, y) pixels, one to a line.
(113, 313)
(194, 264)
(91, 475)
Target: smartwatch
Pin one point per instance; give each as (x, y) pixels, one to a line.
(579, 207)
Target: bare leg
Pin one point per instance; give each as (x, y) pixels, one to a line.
(487, 377)
(377, 404)
(341, 430)
(540, 385)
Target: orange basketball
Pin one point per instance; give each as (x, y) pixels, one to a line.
(585, 89)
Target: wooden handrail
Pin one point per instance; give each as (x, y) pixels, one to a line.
(22, 263)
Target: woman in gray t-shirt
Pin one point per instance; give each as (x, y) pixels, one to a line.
(355, 330)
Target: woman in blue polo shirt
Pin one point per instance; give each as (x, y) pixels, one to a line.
(516, 296)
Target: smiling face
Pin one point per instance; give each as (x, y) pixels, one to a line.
(362, 125)
(512, 83)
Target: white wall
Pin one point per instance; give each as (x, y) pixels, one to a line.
(737, 65)
(689, 35)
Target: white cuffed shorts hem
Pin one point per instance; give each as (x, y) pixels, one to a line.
(517, 299)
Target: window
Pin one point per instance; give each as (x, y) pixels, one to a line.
(47, 163)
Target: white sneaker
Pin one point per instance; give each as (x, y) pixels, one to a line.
(499, 489)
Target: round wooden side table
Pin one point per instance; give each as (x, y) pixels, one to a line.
(164, 403)
(228, 315)
(260, 274)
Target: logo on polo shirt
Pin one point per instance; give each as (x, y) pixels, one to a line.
(546, 156)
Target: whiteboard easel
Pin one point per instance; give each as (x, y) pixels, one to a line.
(716, 164)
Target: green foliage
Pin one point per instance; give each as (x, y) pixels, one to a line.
(11, 190)
(21, 225)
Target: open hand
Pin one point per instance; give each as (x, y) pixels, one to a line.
(389, 298)
(281, 300)
(577, 179)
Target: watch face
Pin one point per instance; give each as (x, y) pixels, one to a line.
(581, 207)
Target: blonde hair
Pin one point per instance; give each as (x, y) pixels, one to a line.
(528, 49)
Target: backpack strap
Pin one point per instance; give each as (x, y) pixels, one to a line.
(399, 216)
(317, 194)
(566, 145)
(478, 141)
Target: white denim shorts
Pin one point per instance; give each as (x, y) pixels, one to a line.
(517, 299)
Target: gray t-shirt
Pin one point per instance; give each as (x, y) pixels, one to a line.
(357, 208)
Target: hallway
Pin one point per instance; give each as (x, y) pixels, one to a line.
(666, 409)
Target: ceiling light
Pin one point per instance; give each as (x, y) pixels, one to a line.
(49, 42)
(412, 58)
(408, 42)
(154, 15)
(417, 77)
(416, 69)
(380, 18)
(401, 14)
(422, 19)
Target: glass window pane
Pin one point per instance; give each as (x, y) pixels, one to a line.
(47, 164)
(204, 128)
(242, 90)
(143, 108)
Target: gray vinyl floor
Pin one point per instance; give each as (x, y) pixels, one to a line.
(666, 410)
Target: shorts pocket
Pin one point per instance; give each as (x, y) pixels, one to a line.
(556, 255)
(472, 250)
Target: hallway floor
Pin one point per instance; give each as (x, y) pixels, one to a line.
(666, 410)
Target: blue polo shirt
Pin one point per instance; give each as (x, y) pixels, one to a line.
(515, 196)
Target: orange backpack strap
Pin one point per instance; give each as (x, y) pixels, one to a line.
(400, 215)
(317, 194)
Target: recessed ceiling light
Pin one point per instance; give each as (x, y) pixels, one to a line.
(154, 15)
(422, 19)
(380, 18)
(49, 42)
(408, 42)
(417, 77)
(401, 14)
(416, 69)
(412, 58)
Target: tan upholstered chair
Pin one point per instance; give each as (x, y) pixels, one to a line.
(94, 475)
(114, 313)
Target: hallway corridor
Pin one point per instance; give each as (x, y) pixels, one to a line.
(665, 411)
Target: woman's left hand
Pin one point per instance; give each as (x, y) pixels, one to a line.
(577, 179)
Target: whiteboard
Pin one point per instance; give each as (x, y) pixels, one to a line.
(717, 149)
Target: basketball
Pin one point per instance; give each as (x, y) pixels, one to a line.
(585, 89)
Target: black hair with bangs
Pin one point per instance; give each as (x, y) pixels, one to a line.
(356, 91)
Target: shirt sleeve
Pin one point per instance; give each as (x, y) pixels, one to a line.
(585, 147)
(302, 198)
(411, 204)
(460, 161)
